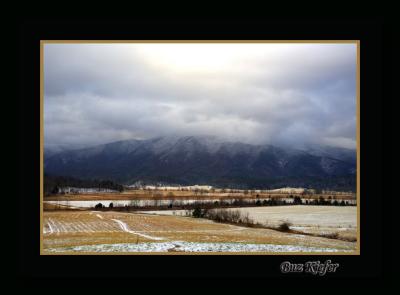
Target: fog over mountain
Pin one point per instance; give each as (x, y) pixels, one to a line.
(277, 94)
(208, 160)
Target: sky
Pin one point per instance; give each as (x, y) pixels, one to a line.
(268, 93)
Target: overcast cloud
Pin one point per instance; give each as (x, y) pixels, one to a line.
(258, 93)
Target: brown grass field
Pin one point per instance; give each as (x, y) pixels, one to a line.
(314, 220)
(69, 228)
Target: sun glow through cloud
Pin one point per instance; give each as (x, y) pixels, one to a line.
(252, 92)
(188, 57)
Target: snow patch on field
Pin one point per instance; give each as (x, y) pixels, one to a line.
(50, 228)
(179, 246)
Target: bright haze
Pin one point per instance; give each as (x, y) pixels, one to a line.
(279, 94)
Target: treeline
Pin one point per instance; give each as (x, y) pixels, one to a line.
(318, 183)
(53, 183)
(219, 204)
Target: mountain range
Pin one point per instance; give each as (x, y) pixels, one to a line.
(208, 160)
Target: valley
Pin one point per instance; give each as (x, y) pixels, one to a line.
(199, 194)
(162, 220)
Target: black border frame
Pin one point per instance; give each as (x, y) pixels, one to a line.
(32, 267)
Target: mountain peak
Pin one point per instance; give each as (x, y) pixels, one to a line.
(207, 159)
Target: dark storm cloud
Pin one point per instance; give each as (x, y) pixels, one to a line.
(259, 93)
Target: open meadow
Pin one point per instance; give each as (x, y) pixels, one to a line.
(94, 231)
(333, 221)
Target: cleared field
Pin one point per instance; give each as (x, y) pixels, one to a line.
(322, 220)
(56, 206)
(328, 216)
(122, 203)
(131, 232)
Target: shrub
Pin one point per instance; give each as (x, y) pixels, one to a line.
(199, 213)
(246, 219)
(284, 226)
(331, 235)
(273, 202)
(196, 212)
(297, 200)
(55, 190)
(231, 216)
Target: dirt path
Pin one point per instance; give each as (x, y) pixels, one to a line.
(125, 228)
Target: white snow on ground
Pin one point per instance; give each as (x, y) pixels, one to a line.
(53, 227)
(164, 212)
(334, 217)
(88, 204)
(323, 216)
(122, 203)
(125, 227)
(50, 228)
(180, 246)
(59, 226)
(99, 216)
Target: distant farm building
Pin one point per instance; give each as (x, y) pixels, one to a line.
(80, 190)
(175, 188)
